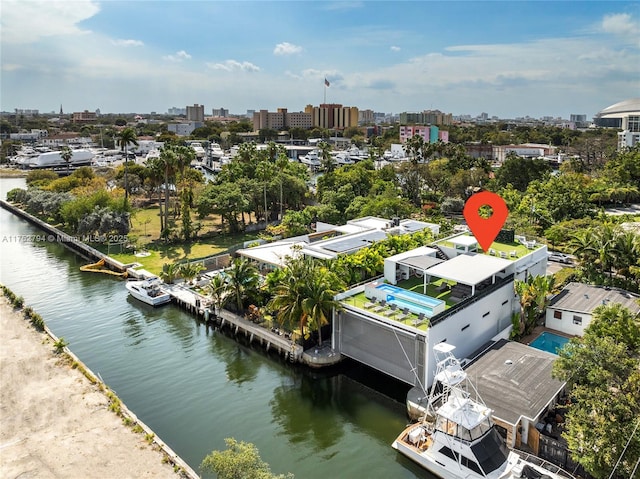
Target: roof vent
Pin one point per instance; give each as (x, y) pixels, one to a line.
(508, 362)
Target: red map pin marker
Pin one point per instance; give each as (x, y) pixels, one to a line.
(485, 229)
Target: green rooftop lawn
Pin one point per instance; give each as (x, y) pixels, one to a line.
(520, 249)
(412, 284)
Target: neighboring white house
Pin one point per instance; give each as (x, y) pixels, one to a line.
(330, 241)
(571, 310)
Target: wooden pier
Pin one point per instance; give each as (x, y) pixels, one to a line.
(200, 306)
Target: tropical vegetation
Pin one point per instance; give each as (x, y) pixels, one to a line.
(602, 370)
(241, 460)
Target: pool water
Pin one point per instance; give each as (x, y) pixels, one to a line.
(549, 342)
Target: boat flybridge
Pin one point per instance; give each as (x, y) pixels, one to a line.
(457, 439)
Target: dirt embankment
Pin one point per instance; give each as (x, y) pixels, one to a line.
(55, 423)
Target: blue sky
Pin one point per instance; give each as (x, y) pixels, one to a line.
(509, 59)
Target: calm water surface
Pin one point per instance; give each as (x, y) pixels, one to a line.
(194, 386)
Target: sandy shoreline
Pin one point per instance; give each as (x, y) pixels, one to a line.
(54, 423)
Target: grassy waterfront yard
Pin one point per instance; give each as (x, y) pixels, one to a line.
(145, 229)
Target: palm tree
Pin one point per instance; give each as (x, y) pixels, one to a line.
(155, 176)
(282, 162)
(168, 162)
(534, 294)
(319, 303)
(125, 138)
(190, 270)
(243, 280)
(170, 271)
(264, 172)
(328, 163)
(66, 154)
(218, 292)
(304, 295)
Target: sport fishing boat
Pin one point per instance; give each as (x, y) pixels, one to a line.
(148, 291)
(457, 439)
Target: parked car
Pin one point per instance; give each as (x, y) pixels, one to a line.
(559, 257)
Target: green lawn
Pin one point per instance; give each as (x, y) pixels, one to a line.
(145, 227)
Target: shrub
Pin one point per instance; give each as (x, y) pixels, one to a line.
(59, 345)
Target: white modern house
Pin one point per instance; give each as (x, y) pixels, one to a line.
(330, 241)
(446, 292)
(571, 310)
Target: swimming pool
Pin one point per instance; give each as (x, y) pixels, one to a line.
(402, 298)
(549, 342)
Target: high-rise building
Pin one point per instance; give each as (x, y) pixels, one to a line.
(195, 113)
(220, 112)
(333, 115)
(280, 119)
(83, 116)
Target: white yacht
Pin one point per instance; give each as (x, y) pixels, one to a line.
(343, 158)
(148, 291)
(53, 159)
(456, 439)
(311, 159)
(198, 149)
(216, 151)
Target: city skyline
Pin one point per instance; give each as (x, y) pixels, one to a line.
(510, 59)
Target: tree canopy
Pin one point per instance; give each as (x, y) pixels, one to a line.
(602, 370)
(241, 460)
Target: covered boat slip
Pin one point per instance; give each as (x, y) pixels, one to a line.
(396, 351)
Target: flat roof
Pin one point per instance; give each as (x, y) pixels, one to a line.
(272, 253)
(470, 269)
(584, 298)
(422, 263)
(464, 240)
(515, 380)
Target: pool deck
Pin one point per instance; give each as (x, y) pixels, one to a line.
(538, 330)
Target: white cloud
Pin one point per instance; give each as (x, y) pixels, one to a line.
(233, 65)
(395, 48)
(178, 57)
(28, 21)
(127, 43)
(286, 48)
(620, 24)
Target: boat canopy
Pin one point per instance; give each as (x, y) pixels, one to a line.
(464, 419)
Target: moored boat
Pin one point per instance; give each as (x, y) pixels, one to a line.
(457, 439)
(148, 291)
(54, 159)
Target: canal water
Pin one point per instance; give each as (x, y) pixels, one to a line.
(195, 386)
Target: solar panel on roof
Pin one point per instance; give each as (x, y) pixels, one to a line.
(412, 226)
(375, 236)
(346, 245)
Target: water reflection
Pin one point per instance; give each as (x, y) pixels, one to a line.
(301, 407)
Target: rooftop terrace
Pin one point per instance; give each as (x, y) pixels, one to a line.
(442, 289)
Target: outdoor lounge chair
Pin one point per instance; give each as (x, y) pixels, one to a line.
(379, 307)
(370, 304)
(419, 320)
(513, 254)
(392, 310)
(403, 315)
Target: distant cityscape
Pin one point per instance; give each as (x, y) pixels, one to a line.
(429, 124)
